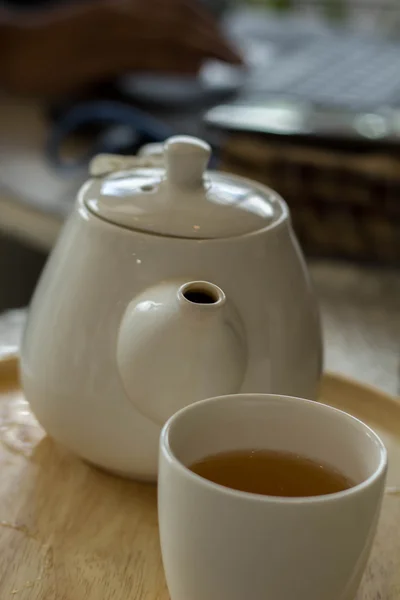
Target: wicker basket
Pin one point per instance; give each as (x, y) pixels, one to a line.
(343, 205)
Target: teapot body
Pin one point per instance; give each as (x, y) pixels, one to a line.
(69, 363)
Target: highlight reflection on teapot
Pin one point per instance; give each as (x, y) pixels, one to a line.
(168, 284)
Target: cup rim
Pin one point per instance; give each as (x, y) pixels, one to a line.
(165, 448)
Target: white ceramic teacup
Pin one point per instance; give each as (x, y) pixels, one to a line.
(222, 544)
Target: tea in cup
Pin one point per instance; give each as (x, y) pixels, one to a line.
(266, 496)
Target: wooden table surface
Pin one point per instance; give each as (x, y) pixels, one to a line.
(67, 530)
(71, 532)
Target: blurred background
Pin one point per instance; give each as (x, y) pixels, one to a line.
(303, 95)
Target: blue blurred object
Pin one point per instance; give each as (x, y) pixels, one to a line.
(124, 128)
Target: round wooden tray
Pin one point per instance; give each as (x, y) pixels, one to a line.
(71, 532)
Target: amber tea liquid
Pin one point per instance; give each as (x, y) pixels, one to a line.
(271, 473)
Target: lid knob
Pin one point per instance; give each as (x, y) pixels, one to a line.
(186, 160)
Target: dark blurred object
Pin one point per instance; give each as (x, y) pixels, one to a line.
(216, 7)
(74, 46)
(20, 267)
(343, 204)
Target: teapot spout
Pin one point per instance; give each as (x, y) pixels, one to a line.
(179, 343)
(201, 294)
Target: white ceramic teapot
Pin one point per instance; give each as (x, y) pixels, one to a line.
(168, 284)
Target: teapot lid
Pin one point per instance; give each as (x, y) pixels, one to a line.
(182, 199)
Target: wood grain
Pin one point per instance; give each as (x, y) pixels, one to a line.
(71, 532)
(68, 531)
